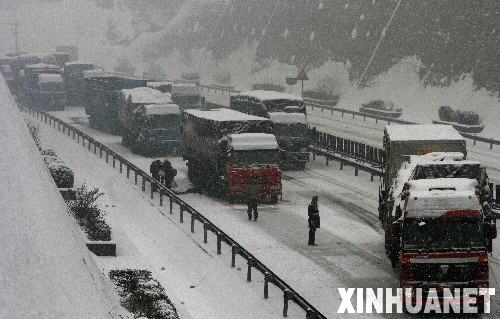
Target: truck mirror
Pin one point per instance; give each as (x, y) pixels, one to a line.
(493, 231)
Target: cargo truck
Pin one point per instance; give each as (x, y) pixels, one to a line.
(154, 129)
(288, 114)
(434, 206)
(231, 154)
(74, 81)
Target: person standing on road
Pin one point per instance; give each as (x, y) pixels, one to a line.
(154, 169)
(252, 200)
(313, 220)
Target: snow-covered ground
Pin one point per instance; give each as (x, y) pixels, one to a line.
(350, 253)
(45, 269)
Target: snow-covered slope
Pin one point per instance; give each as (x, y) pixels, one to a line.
(45, 269)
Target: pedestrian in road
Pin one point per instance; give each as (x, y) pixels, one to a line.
(313, 220)
(252, 200)
(168, 173)
(154, 169)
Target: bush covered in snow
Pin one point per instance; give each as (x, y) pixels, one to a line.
(63, 176)
(447, 113)
(90, 217)
(35, 132)
(142, 295)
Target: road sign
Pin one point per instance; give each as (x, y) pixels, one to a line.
(302, 76)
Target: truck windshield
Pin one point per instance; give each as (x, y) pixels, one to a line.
(52, 86)
(255, 158)
(162, 121)
(442, 233)
(290, 130)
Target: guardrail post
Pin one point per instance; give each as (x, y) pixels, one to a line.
(371, 178)
(64, 129)
(356, 171)
(152, 192)
(128, 171)
(341, 165)
(135, 177)
(219, 243)
(121, 166)
(267, 278)
(491, 144)
(143, 183)
(352, 115)
(171, 205)
(95, 148)
(364, 118)
(474, 142)
(88, 145)
(161, 196)
(286, 296)
(113, 161)
(83, 141)
(234, 251)
(376, 120)
(205, 233)
(342, 114)
(107, 154)
(326, 157)
(73, 134)
(250, 263)
(181, 214)
(193, 218)
(314, 156)
(59, 127)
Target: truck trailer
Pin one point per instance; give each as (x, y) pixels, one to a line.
(288, 115)
(231, 154)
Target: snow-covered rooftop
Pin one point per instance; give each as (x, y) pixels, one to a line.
(223, 115)
(157, 84)
(146, 95)
(77, 63)
(160, 109)
(50, 78)
(253, 141)
(42, 66)
(424, 132)
(269, 95)
(47, 272)
(287, 118)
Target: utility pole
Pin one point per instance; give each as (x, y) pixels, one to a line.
(14, 29)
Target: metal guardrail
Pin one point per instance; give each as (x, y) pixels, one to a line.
(323, 106)
(289, 294)
(358, 155)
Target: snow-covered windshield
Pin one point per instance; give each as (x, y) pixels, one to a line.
(442, 233)
(171, 121)
(255, 158)
(52, 86)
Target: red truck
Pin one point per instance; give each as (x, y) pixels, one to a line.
(231, 154)
(443, 234)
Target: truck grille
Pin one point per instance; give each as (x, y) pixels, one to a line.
(444, 272)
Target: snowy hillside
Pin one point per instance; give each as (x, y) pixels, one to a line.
(47, 272)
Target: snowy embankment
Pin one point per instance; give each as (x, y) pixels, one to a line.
(47, 272)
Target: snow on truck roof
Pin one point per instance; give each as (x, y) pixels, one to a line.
(268, 95)
(224, 115)
(78, 63)
(435, 197)
(159, 109)
(253, 141)
(146, 95)
(50, 78)
(287, 118)
(424, 132)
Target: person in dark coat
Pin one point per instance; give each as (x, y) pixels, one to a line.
(168, 173)
(313, 220)
(154, 169)
(252, 200)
